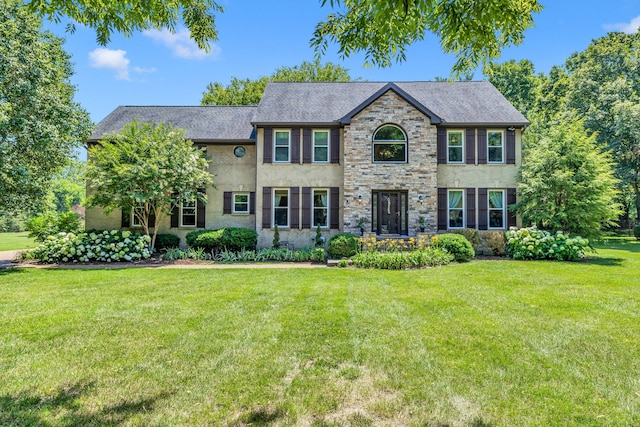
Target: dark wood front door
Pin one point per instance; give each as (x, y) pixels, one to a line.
(390, 212)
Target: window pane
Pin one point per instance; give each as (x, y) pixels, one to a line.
(282, 154)
(496, 219)
(455, 154)
(389, 152)
(389, 133)
(455, 218)
(320, 217)
(319, 199)
(495, 154)
(320, 154)
(282, 138)
(495, 139)
(321, 138)
(495, 199)
(281, 207)
(455, 139)
(454, 150)
(241, 198)
(280, 217)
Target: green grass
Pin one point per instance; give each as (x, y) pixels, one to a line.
(485, 343)
(15, 241)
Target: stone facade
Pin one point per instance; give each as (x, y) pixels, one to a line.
(417, 177)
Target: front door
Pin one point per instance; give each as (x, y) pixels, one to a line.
(390, 212)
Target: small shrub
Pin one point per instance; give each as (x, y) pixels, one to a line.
(276, 237)
(319, 239)
(496, 242)
(455, 244)
(232, 239)
(531, 243)
(392, 245)
(636, 231)
(472, 235)
(343, 245)
(166, 240)
(48, 224)
(109, 246)
(428, 257)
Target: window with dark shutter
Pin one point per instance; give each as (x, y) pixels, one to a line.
(201, 211)
(511, 147)
(175, 216)
(268, 145)
(511, 200)
(295, 145)
(252, 203)
(471, 208)
(470, 149)
(443, 203)
(306, 207)
(483, 213)
(226, 203)
(442, 146)
(482, 146)
(266, 207)
(306, 145)
(334, 142)
(334, 207)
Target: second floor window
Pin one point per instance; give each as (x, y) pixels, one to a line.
(389, 145)
(454, 147)
(281, 145)
(320, 146)
(495, 146)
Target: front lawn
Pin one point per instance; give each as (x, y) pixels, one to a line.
(485, 343)
(16, 241)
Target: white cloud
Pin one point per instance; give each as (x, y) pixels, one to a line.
(141, 70)
(181, 44)
(625, 27)
(112, 60)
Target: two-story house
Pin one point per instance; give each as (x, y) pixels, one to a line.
(330, 154)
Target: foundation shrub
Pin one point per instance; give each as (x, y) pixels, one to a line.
(496, 241)
(166, 240)
(397, 260)
(343, 245)
(472, 235)
(233, 239)
(531, 243)
(455, 244)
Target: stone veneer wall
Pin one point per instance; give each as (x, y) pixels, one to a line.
(418, 176)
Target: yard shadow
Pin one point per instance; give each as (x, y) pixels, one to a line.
(607, 262)
(26, 409)
(10, 269)
(260, 416)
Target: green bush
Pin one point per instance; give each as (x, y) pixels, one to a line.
(428, 257)
(233, 239)
(343, 245)
(106, 246)
(166, 240)
(531, 243)
(50, 223)
(455, 244)
(496, 242)
(636, 231)
(472, 235)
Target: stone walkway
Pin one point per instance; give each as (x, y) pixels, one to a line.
(7, 257)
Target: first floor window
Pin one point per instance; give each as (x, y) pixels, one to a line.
(240, 203)
(320, 146)
(456, 209)
(495, 146)
(281, 145)
(454, 147)
(281, 208)
(188, 214)
(496, 209)
(135, 220)
(320, 208)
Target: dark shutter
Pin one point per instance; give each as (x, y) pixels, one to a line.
(252, 203)
(483, 209)
(294, 207)
(482, 146)
(175, 216)
(266, 207)
(470, 147)
(307, 136)
(335, 146)
(201, 211)
(125, 222)
(268, 145)
(443, 203)
(226, 203)
(306, 207)
(334, 208)
(442, 146)
(471, 208)
(511, 200)
(295, 145)
(511, 147)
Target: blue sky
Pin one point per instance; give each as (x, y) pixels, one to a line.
(258, 36)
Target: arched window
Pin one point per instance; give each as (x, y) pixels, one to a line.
(389, 145)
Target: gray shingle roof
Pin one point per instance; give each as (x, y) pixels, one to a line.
(201, 123)
(455, 103)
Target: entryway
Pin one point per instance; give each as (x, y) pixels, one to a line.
(390, 212)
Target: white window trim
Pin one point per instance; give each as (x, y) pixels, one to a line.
(500, 131)
(195, 208)
(135, 222)
(504, 209)
(313, 145)
(462, 147)
(464, 209)
(233, 204)
(313, 208)
(376, 142)
(273, 207)
(275, 131)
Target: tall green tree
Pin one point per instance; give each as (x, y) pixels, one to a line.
(249, 92)
(148, 169)
(40, 124)
(517, 81)
(626, 147)
(68, 187)
(567, 182)
(474, 31)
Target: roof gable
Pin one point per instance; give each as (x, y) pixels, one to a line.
(401, 93)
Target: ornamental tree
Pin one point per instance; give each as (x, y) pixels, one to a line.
(148, 169)
(567, 182)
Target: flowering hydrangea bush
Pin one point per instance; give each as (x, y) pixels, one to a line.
(531, 243)
(108, 246)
